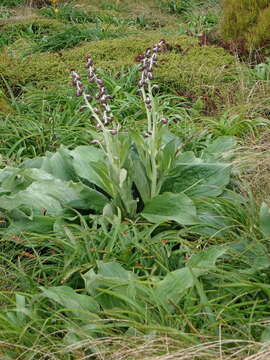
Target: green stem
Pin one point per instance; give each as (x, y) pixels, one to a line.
(153, 149)
(105, 132)
(115, 167)
(148, 113)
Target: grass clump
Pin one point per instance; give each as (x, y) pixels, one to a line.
(5, 12)
(127, 226)
(67, 13)
(74, 35)
(178, 6)
(70, 14)
(12, 3)
(30, 29)
(246, 22)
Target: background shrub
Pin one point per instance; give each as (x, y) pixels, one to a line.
(248, 20)
(186, 66)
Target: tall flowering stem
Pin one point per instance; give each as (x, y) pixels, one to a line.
(102, 105)
(102, 114)
(147, 66)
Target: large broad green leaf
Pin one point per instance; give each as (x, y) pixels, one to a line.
(68, 298)
(87, 198)
(254, 256)
(204, 176)
(265, 219)
(167, 157)
(59, 164)
(53, 195)
(110, 271)
(81, 163)
(114, 270)
(38, 224)
(174, 285)
(220, 148)
(170, 207)
(113, 286)
(32, 199)
(14, 179)
(102, 178)
(169, 137)
(198, 178)
(68, 164)
(83, 157)
(39, 195)
(140, 178)
(211, 218)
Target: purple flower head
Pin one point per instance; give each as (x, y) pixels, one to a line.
(164, 121)
(100, 110)
(113, 131)
(94, 142)
(76, 82)
(89, 62)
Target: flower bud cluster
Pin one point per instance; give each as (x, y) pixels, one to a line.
(102, 110)
(148, 63)
(76, 81)
(147, 134)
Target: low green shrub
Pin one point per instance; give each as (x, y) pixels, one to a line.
(187, 67)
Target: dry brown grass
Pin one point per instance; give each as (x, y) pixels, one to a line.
(254, 163)
(149, 348)
(21, 13)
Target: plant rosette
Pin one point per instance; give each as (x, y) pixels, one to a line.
(132, 174)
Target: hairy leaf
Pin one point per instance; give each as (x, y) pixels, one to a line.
(170, 207)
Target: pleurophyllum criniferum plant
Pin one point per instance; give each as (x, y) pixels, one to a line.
(117, 149)
(128, 173)
(140, 163)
